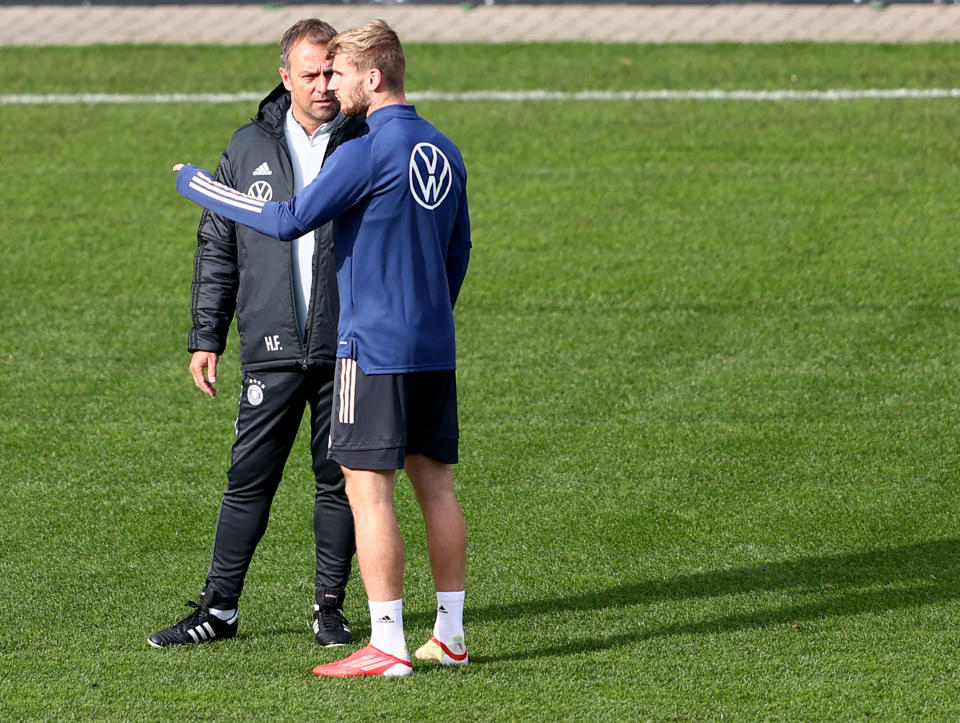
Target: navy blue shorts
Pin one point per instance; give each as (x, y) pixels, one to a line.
(378, 419)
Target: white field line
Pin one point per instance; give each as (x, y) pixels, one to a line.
(509, 95)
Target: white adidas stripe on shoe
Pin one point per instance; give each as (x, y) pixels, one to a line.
(202, 633)
(198, 627)
(366, 661)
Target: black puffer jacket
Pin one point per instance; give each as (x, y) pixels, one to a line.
(239, 270)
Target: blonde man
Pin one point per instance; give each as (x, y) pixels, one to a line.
(398, 200)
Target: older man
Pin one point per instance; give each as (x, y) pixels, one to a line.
(286, 305)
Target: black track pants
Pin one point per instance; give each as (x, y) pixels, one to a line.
(271, 407)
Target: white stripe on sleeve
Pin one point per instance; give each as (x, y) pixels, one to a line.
(226, 195)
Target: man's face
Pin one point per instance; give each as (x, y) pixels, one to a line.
(349, 85)
(308, 80)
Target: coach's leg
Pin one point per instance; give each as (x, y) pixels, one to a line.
(332, 520)
(332, 517)
(266, 427)
(446, 531)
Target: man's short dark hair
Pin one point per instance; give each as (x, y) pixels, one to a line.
(312, 30)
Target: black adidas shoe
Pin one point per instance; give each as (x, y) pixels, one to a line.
(329, 625)
(198, 627)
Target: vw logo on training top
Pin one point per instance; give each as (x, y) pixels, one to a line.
(261, 190)
(430, 176)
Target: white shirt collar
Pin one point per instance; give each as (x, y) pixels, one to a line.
(293, 127)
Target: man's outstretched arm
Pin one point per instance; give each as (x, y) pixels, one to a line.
(266, 217)
(343, 180)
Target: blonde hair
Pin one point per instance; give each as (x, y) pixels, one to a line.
(374, 45)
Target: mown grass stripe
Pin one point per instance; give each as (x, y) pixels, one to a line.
(833, 94)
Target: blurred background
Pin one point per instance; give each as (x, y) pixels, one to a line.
(137, 21)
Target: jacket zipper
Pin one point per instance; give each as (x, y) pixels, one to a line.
(311, 302)
(277, 132)
(304, 338)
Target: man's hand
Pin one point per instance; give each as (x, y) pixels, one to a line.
(176, 168)
(204, 360)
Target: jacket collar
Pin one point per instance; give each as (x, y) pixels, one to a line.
(382, 115)
(272, 113)
(272, 117)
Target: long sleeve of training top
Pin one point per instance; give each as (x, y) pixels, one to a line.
(397, 196)
(317, 203)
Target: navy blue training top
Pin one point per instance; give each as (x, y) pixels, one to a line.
(398, 200)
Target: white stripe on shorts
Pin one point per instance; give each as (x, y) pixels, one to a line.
(348, 390)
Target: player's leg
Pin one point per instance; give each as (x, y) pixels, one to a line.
(432, 451)
(447, 547)
(380, 556)
(446, 532)
(332, 519)
(271, 405)
(379, 544)
(368, 440)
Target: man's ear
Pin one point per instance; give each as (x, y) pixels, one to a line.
(285, 77)
(374, 79)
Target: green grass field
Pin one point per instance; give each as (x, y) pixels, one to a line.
(709, 355)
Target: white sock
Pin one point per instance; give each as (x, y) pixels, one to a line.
(449, 616)
(225, 615)
(386, 628)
